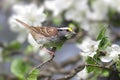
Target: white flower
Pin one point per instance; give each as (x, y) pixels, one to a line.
(30, 14)
(99, 10)
(18, 28)
(115, 5)
(82, 75)
(112, 53)
(88, 47)
(57, 6)
(14, 26)
(77, 12)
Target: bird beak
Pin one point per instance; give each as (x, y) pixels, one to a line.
(72, 32)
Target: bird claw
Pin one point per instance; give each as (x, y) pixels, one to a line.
(52, 51)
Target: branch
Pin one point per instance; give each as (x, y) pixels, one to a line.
(102, 67)
(51, 52)
(73, 72)
(81, 67)
(42, 64)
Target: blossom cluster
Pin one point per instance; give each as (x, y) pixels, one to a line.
(30, 14)
(89, 48)
(81, 10)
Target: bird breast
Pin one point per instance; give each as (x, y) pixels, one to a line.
(45, 40)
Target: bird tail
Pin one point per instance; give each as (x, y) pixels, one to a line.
(24, 24)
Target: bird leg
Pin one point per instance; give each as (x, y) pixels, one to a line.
(52, 51)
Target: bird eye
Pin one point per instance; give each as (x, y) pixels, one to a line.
(67, 30)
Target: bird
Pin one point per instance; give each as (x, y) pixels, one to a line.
(44, 35)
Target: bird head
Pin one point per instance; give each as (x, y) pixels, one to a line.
(65, 31)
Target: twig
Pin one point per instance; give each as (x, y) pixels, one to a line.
(80, 67)
(51, 52)
(73, 72)
(40, 65)
(102, 67)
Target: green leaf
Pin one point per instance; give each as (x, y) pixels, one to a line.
(15, 45)
(118, 65)
(71, 25)
(105, 73)
(57, 21)
(104, 43)
(33, 75)
(29, 49)
(19, 68)
(101, 34)
(2, 77)
(89, 69)
(90, 2)
(114, 21)
(90, 60)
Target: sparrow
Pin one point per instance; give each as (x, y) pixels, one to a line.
(45, 35)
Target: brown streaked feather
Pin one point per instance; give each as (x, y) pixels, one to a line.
(45, 31)
(24, 24)
(27, 26)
